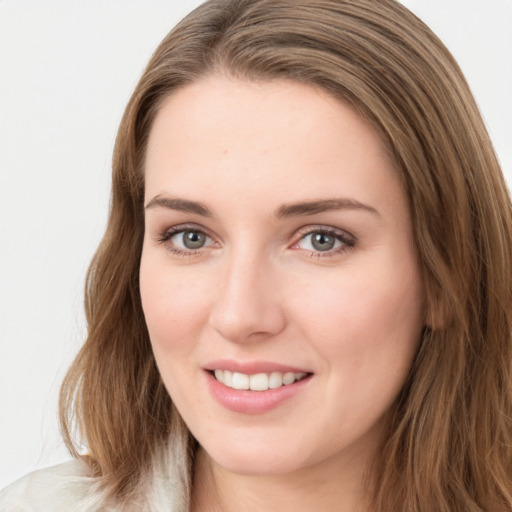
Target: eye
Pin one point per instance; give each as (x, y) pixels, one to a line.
(189, 239)
(319, 242)
(183, 240)
(325, 240)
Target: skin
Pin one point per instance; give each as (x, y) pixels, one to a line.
(259, 290)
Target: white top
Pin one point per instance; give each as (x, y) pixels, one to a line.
(62, 488)
(67, 488)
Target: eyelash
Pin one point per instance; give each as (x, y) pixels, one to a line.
(348, 241)
(166, 236)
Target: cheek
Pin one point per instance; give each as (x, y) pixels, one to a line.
(364, 311)
(175, 308)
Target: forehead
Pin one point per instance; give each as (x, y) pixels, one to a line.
(270, 138)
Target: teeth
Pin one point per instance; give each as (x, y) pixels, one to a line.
(257, 381)
(240, 381)
(275, 380)
(288, 378)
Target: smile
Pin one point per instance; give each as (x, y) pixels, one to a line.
(257, 381)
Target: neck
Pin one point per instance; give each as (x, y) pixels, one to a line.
(324, 487)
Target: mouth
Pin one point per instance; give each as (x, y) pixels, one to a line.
(255, 387)
(257, 381)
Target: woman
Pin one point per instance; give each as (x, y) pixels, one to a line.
(303, 295)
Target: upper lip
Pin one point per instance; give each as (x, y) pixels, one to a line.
(252, 367)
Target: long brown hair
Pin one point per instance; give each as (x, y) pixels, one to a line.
(449, 445)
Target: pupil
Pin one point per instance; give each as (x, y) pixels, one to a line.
(193, 239)
(322, 242)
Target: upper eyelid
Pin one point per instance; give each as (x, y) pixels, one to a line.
(319, 228)
(187, 226)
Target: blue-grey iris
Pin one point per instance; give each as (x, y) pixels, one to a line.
(322, 241)
(193, 239)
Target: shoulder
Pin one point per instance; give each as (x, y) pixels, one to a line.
(65, 487)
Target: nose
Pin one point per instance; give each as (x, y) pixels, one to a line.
(247, 304)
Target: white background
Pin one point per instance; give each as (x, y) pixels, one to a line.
(66, 72)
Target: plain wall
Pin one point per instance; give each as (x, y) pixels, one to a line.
(66, 72)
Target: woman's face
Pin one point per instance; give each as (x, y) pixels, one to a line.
(279, 255)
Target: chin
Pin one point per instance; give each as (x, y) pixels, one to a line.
(252, 461)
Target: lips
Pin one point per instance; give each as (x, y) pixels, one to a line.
(256, 387)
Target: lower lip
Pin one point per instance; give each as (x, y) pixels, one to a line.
(253, 402)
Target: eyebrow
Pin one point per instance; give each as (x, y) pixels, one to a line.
(313, 207)
(181, 205)
(287, 210)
